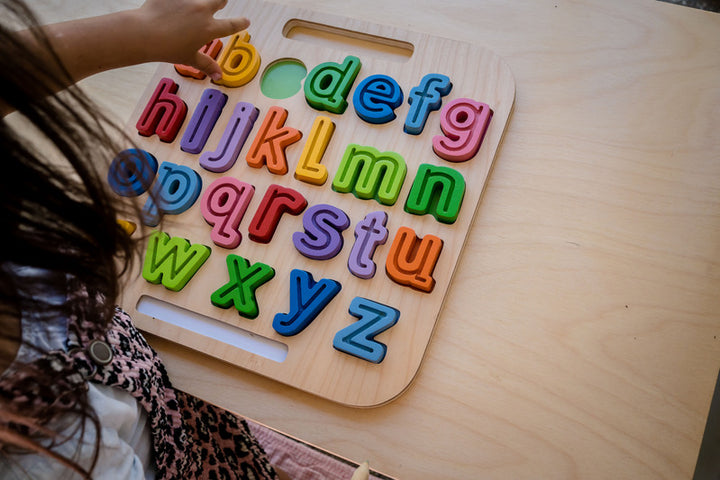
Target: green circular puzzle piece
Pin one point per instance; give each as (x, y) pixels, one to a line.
(283, 78)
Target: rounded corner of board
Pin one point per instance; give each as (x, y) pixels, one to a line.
(508, 76)
(375, 402)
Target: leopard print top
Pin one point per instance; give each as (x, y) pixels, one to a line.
(191, 438)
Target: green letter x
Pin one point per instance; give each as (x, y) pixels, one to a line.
(240, 290)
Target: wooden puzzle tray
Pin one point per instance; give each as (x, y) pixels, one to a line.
(312, 237)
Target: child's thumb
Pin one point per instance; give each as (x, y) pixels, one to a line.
(362, 472)
(207, 65)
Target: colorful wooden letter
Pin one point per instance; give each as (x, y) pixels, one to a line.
(172, 261)
(277, 200)
(425, 98)
(322, 238)
(328, 84)
(464, 123)
(223, 205)
(358, 339)
(309, 168)
(176, 189)
(211, 49)
(127, 226)
(240, 61)
(233, 139)
(203, 120)
(436, 190)
(245, 279)
(132, 172)
(411, 262)
(368, 174)
(270, 143)
(164, 112)
(307, 299)
(369, 234)
(376, 98)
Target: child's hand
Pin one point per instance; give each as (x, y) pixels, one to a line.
(159, 31)
(177, 29)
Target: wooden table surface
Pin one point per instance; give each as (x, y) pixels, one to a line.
(581, 336)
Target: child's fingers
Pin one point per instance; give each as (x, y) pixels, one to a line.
(207, 65)
(223, 27)
(218, 4)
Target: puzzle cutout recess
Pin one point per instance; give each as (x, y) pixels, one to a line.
(364, 171)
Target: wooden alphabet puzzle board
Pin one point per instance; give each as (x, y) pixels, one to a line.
(312, 239)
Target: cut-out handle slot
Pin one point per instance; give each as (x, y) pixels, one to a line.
(209, 327)
(360, 43)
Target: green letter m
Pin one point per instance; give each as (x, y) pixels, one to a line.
(367, 173)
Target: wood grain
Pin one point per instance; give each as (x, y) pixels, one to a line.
(581, 337)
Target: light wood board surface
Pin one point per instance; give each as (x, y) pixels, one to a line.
(311, 363)
(581, 338)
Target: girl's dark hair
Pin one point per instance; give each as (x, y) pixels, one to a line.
(57, 212)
